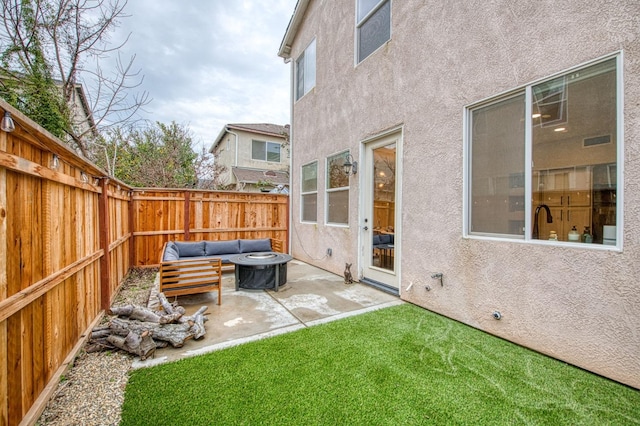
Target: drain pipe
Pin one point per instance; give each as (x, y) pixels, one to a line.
(235, 163)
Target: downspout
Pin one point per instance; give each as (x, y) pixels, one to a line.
(291, 97)
(236, 135)
(236, 153)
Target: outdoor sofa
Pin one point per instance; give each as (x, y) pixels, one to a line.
(191, 267)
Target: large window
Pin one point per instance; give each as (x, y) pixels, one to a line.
(265, 151)
(337, 190)
(309, 192)
(543, 160)
(373, 26)
(306, 70)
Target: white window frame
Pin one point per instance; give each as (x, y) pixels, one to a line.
(329, 191)
(303, 193)
(527, 89)
(307, 60)
(266, 151)
(360, 22)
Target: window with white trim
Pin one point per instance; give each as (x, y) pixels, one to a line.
(309, 192)
(265, 151)
(306, 70)
(337, 202)
(373, 26)
(543, 161)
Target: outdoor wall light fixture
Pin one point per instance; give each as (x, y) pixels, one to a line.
(55, 162)
(7, 124)
(350, 166)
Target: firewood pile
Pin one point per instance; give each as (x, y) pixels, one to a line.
(140, 331)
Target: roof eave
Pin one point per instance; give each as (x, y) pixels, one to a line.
(292, 29)
(255, 131)
(218, 139)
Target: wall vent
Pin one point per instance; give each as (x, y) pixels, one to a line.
(598, 140)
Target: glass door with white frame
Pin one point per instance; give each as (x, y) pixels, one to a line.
(379, 230)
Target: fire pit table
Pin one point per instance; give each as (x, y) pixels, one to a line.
(260, 270)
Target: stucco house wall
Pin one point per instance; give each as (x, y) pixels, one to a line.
(575, 304)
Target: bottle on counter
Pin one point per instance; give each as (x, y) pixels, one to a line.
(573, 234)
(586, 236)
(553, 236)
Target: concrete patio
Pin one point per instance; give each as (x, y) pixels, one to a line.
(311, 296)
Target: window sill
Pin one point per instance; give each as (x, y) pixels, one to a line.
(561, 244)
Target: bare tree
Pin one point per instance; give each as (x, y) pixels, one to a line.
(73, 38)
(210, 173)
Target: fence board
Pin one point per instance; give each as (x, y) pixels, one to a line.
(4, 366)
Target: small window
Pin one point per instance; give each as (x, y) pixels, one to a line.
(542, 161)
(337, 190)
(373, 26)
(306, 71)
(309, 192)
(265, 151)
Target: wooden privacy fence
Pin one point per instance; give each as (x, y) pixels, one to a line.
(68, 237)
(163, 215)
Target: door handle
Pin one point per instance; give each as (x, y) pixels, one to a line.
(366, 228)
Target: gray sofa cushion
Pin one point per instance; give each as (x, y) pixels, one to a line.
(385, 239)
(249, 246)
(190, 249)
(221, 247)
(170, 252)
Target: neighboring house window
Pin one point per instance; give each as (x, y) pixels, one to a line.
(337, 190)
(373, 26)
(306, 70)
(265, 151)
(309, 192)
(548, 149)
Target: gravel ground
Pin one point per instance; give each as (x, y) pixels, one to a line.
(92, 392)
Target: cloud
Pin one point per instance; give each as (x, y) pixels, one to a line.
(208, 63)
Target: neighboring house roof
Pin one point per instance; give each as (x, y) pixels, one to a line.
(247, 175)
(266, 129)
(84, 103)
(292, 29)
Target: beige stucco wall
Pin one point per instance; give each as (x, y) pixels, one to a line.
(578, 305)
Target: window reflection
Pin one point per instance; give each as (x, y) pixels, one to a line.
(384, 196)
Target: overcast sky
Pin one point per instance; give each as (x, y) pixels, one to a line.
(207, 63)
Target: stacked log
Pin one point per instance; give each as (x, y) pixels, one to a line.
(140, 331)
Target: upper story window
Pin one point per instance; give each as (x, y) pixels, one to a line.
(337, 203)
(543, 162)
(309, 192)
(265, 151)
(306, 70)
(373, 26)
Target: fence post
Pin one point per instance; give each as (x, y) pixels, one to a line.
(105, 260)
(132, 230)
(187, 213)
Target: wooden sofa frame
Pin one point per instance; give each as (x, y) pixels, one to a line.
(191, 276)
(198, 275)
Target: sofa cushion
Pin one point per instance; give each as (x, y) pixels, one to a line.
(190, 249)
(221, 247)
(251, 246)
(170, 252)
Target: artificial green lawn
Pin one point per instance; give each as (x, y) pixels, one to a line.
(396, 366)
